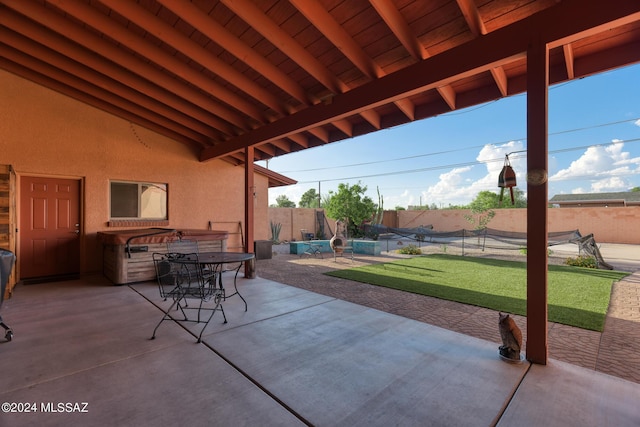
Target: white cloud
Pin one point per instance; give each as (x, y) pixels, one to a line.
(449, 188)
(611, 184)
(406, 198)
(605, 166)
(461, 185)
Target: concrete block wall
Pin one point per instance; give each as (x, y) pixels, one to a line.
(608, 225)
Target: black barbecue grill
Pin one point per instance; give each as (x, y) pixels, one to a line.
(7, 259)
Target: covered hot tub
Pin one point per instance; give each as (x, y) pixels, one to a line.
(128, 254)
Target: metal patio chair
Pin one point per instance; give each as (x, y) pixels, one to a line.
(181, 278)
(184, 246)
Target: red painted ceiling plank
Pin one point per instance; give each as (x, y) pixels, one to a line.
(172, 37)
(472, 16)
(328, 26)
(480, 54)
(261, 23)
(220, 35)
(107, 85)
(102, 23)
(94, 43)
(282, 144)
(402, 31)
(400, 28)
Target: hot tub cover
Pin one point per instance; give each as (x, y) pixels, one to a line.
(158, 235)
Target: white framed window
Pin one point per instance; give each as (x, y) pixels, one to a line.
(138, 200)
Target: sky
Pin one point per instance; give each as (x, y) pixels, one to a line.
(594, 147)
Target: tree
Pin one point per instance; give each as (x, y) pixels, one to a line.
(486, 200)
(282, 201)
(309, 199)
(482, 209)
(350, 204)
(518, 196)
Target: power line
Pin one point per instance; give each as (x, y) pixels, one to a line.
(463, 164)
(458, 149)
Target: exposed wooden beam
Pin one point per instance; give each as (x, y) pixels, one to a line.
(399, 26)
(57, 24)
(282, 144)
(607, 59)
(96, 92)
(372, 117)
(321, 133)
(99, 103)
(253, 16)
(323, 21)
(500, 77)
(568, 60)
(268, 149)
(236, 159)
(299, 139)
(407, 107)
(587, 21)
(83, 72)
(85, 13)
(344, 126)
(172, 37)
(208, 26)
(449, 95)
(328, 26)
(477, 55)
(472, 16)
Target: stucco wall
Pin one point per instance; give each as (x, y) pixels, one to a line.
(608, 225)
(45, 133)
(292, 221)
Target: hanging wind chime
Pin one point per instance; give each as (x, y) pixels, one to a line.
(507, 179)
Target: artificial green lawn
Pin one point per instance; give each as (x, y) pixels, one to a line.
(577, 296)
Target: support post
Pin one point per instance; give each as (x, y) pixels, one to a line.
(537, 200)
(249, 202)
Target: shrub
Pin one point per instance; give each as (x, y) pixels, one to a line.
(582, 261)
(410, 249)
(523, 251)
(275, 232)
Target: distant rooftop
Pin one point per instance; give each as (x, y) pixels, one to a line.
(624, 198)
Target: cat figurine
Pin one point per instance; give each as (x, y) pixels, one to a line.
(511, 337)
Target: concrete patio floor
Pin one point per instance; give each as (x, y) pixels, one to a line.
(295, 357)
(615, 351)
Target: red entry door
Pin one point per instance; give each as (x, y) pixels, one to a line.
(49, 230)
